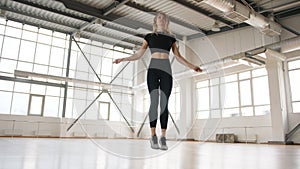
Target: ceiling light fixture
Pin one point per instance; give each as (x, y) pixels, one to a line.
(2, 13)
(77, 35)
(216, 27)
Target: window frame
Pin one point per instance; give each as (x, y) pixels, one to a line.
(42, 106)
(99, 111)
(223, 82)
(292, 102)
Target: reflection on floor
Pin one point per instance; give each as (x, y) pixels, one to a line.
(40, 153)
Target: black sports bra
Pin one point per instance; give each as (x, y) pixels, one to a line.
(159, 42)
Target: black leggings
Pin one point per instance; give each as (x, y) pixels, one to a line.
(159, 81)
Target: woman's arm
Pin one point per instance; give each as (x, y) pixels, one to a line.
(135, 56)
(182, 60)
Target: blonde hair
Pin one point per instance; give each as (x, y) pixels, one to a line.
(167, 22)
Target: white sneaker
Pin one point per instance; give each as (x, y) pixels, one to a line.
(163, 143)
(154, 142)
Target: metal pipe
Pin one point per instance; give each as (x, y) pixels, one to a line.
(119, 73)
(66, 79)
(256, 19)
(129, 125)
(222, 5)
(278, 45)
(67, 75)
(86, 59)
(282, 7)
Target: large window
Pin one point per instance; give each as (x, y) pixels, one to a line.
(42, 51)
(294, 74)
(242, 94)
(28, 48)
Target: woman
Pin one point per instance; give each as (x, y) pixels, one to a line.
(159, 75)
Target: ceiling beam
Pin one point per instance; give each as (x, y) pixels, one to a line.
(113, 6)
(38, 25)
(288, 12)
(80, 7)
(110, 26)
(108, 42)
(40, 17)
(52, 10)
(296, 32)
(286, 27)
(74, 5)
(281, 7)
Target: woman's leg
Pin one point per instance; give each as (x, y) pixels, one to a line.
(153, 84)
(166, 83)
(163, 132)
(153, 131)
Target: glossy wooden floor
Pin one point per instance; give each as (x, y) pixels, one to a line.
(39, 153)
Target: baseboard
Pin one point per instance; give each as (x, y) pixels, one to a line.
(277, 142)
(184, 139)
(30, 137)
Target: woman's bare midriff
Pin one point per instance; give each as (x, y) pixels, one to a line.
(159, 55)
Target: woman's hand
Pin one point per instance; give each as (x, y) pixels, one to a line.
(118, 60)
(197, 69)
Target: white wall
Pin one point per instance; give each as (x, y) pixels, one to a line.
(247, 129)
(35, 126)
(218, 46)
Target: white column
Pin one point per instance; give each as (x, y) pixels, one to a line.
(186, 90)
(186, 114)
(274, 65)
